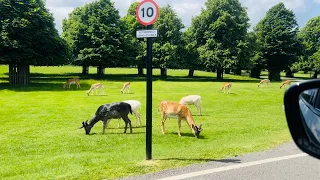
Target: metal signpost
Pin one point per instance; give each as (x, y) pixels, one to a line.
(147, 13)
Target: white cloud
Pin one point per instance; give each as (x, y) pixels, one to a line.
(316, 1)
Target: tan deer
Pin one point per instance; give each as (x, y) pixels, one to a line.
(180, 111)
(72, 81)
(264, 81)
(226, 87)
(126, 86)
(95, 87)
(284, 83)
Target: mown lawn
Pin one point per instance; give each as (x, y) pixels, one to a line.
(40, 138)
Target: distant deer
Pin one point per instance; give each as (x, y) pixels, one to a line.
(180, 111)
(95, 87)
(226, 87)
(72, 81)
(192, 99)
(284, 83)
(264, 81)
(126, 86)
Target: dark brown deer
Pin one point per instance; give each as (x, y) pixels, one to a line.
(107, 112)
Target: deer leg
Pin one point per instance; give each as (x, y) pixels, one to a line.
(127, 121)
(105, 124)
(163, 119)
(119, 122)
(179, 126)
(138, 114)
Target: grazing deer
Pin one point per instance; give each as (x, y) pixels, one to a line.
(72, 81)
(192, 99)
(226, 87)
(284, 83)
(181, 111)
(107, 112)
(95, 87)
(264, 81)
(126, 86)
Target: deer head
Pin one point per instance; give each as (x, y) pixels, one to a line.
(197, 130)
(86, 126)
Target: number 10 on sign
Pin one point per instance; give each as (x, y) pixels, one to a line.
(147, 12)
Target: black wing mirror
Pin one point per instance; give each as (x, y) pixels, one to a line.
(300, 103)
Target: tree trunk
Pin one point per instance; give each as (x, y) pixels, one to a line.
(19, 74)
(255, 72)
(100, 70)
(289, 73)
(191, 73)
(227, 71)
(85, 69)
(140, 71)
(219, 73)
(163, 72)
(315, 75)
(274, 74)
(237, 72)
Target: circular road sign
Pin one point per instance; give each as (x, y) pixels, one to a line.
(147, 12)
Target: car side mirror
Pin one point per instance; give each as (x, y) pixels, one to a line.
(303, 117)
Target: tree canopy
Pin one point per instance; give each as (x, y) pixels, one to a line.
(95, 34)
(277, 36)
(28, 35)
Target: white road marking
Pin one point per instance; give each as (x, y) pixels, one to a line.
(237, 166)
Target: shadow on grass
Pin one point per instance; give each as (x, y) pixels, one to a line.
(45, 86)
(201, 159)
(188, 135)
(53, 82)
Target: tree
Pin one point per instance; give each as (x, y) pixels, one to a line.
(28, 37)
(189, 53)
(277, 36)
(165, 46)
(96, 35)
(310, 38)
(137, 47)
(220, 29)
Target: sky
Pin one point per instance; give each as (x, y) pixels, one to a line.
(186, 9)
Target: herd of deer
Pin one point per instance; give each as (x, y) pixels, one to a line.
(167, 109)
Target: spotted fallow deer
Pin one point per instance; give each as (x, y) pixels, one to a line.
(126, 87)
(226, 87)
(284, 83)
(264, 81)
(180, 111)
(72, 81)
(95, 87)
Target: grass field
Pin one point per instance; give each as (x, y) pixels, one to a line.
(40, 138)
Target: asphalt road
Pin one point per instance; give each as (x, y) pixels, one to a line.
(283, 162)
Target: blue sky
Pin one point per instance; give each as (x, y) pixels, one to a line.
(186, 9)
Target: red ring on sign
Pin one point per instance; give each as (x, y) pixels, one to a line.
(155, 18)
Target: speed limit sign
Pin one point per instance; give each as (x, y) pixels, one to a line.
(147, 12)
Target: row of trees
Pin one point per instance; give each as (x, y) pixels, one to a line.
(217, 40)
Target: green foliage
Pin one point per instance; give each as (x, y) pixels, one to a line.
(28, 35)
(136, 47)
(96, 35)
(220, 32)
(277, 36)
(310, 38)
(166, 45)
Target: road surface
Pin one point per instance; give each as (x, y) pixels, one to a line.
(283, 162)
